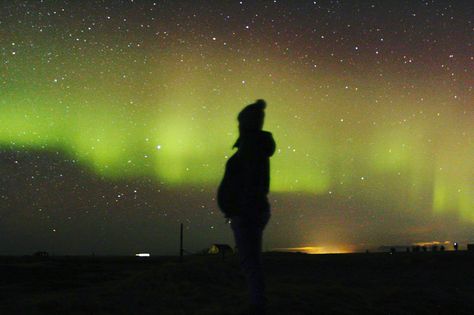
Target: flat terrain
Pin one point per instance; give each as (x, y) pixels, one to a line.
(403, 283)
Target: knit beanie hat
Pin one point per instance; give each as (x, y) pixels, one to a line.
(251, 117)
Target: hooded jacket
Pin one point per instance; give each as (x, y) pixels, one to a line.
(244, 188)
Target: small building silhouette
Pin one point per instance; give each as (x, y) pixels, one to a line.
(220, 249)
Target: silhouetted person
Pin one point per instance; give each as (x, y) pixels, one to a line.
(242, 196)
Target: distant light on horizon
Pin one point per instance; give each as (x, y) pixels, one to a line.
(142, 255)
(316, 250)
(432, 243)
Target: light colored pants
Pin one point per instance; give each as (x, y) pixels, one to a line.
(248, 238)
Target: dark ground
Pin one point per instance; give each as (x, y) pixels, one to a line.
(403, 283)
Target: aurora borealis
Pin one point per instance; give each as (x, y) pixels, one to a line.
(117, 118)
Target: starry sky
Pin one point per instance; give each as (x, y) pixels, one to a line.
(117, 117)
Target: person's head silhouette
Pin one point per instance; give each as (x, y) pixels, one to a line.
(251, 120)
(252, 116)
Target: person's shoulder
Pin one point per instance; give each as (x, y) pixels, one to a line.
(266, 134)
(268, 142)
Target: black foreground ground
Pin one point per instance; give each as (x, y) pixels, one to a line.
(402, 283)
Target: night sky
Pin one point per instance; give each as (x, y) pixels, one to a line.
(117, 117)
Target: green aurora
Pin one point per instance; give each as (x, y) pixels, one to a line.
(179, 125)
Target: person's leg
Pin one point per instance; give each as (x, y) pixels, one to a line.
(248, 238)
(257, 274)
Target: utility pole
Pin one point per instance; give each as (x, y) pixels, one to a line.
(181, 250)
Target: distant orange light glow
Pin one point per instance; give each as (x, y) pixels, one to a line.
(316, 250)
